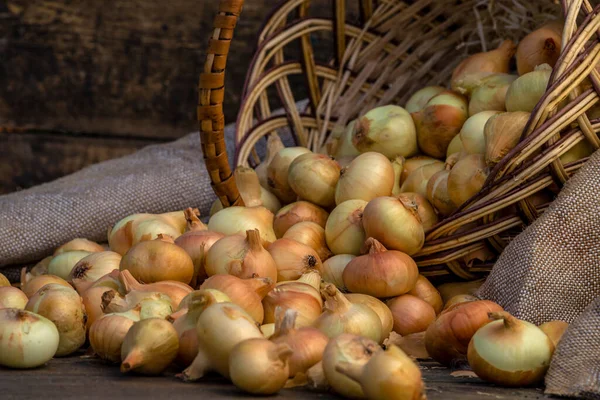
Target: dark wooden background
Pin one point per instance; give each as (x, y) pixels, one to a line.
(83, 81)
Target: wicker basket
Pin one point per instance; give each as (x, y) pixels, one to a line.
(387, 51)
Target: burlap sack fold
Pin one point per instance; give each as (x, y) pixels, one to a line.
(552, 270)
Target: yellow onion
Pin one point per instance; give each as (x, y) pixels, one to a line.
(447, 339)
(455, 146)
(541, 46)
(31, 287)
(151, 305)
(388, 130)
(307, 344)
(383, 311)
(524, 93)
(368, 176)
(158, 260)
(333, 268)
(4, 281)
(502, 133)
(425, 210)
(93, 267)
(344, 230)
(414, 163)
(459, 298)
(380, 273)
(471, 133)
(11, 297)
(411, 314)
(313, 177)
(554, 330)
(62, 264)
(413, 345)
(92, 297)
(310, 234)
(439, 122)
(237, 220)
(259, 366)
(41, 268)
(241, 256)
(342, 316)
(277, 173)
(80, 244)
(419, 99)
(398, 165)
(267, 330)
(467, 178)
(425, 291)
(294, 213)
(416, 182)
(247, 293)
(388, 375)
(149, 347)
(395, 222)
(344, 146)
(27, 340)
(274, 144)
(451, 289)
(437, 193)
(469, 73)
(251, 191)
(293, 259)
(65, 309)
(108, 333)
(349, 348)
(174, 289)
(510, 352)
(491, 94)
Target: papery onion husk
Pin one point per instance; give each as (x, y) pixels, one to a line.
(525, 92)
(467, 178)
(277, 173)
(294, 295)
(333, 268)
(447, 339)
(344, 230)
(383, 311)
(411, 314)
(541, 46)
(388, 130)
(491, 94)
(312, 235)
(313, 177)
(79, 244)
(151, 305)
(425, 210)
(294, 213)
(554, 330)
(437, 193)
(469, 73)
(27, 340)
(439, 122)
(368, 176)
(93, 267)
(509, 351)
(395, 222)
(390, 374)
(65, 309)
(414, 163)
(241, 256)
(416, 182)
(459, 298)
(11, 297)
(424, 290)
(92, 297)
(62, 264)
(419, 99)
(274, 144)
(502, 133)
(149, 347)
(413, 345)
(380, 273)
(471, 133)
(293, 259)
(237, 220)
(31, 287)
(350, 348)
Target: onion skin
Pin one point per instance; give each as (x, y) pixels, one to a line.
(175, 290)
(344, 230)
(277, 173)
(293, 259)
(411, 314)
(467, 178)
(368, 176)
(312, 235)
(447, 339)
(425, 291)
(333, 269)
(298, 212)
(419, 99)
(79, 244)
(414, 163)
(471, 133)
(541, 46)
(384, 313)
(313, 177)
(502, 133)
(437, 193)
(554, 330)
(427, 214)
(11, 297)
(38, 282)
(524, 93)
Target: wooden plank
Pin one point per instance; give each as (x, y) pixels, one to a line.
(75, 377)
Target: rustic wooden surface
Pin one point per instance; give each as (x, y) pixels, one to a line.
(75, 377)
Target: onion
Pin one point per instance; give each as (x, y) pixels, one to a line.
(395, 222)
(274, 144)
(27, 340)
(11, 297)
(459, 298)
(502, 133)
(380, 273)
(414, 163)
(388, 130)
(554, 330)
(4, 281)
(294, 213)
(510, 352)
(93, 267)
(398, 165)
(491, 94)
(344, 147)
(368, 176)
(333, 268)
(419, 99)
(451, 289)
(384, 313)
(252, 193)
(425, 210)
(471, 134)
(541, 46)
(108, 333)
(467, 178)
(344, 230)
(439, 122)
(79, 244)
(174, 289)
(437, 193)
(455, 146)
(468, 74)
(62, 264)
(447, 338)
(38, 282)
(293, 259)
(425, 291)
(524, 93)
(313, 177)
(411, 314)
(237, 220)
(277, 173)
(416, 182)
(312, 235)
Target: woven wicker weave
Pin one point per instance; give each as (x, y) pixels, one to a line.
(380, 53)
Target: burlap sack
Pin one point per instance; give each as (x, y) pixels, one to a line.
(575, 367)
(552, 270)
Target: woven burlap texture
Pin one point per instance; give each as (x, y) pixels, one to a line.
(575, 368)
(552, 269)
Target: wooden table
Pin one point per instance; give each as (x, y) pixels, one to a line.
(77, 377)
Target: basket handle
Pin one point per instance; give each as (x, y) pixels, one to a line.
(211, 120)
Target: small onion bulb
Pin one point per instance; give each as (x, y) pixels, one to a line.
(368, 176)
